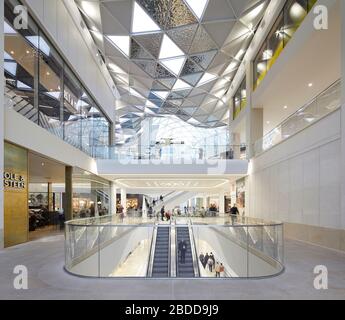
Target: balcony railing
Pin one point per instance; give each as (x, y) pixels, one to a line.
(319, 107)
(170, 152)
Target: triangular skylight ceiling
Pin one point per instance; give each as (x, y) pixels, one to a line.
(168, 54)
(197, 6)
(169, 49)
(141, 21)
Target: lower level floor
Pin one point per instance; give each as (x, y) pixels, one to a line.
(44, 259)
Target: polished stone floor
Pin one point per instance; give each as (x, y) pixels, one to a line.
(47, 280)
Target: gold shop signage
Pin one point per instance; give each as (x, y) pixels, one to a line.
(14, 181)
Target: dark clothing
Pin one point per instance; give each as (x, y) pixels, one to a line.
(205, 260)
(162, 213)
(182, 248)
(202, 258)
(234, 211)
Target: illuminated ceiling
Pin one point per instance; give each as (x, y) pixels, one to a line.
(172, 56)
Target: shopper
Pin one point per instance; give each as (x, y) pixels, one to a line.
(202, 258)
(203, 212)
(210, 264)
(217, 269)
(213, 259)
(234, 212)
(221, 270)
(162, 213)
(183, 251)
(205, 260)
(161, 198)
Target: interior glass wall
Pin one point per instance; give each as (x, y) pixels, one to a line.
(91, 195)
(41, 87)
(287, 23)
(240, 99)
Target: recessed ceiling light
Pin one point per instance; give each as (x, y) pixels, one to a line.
(12, 52)
(121, 42)
(268, 122)
(285, 107)
(48, 73)
(310, 85)
(169, 49)
(142, 21)
(27, 51)
(42, 164)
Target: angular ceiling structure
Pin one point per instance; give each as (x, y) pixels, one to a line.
(172, 56)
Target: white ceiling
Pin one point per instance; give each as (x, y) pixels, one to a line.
(43, 170)
(317, 60)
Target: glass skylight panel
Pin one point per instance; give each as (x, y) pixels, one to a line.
(207, 77)
(7, 56)
(21, 85)
(11, 67)
(150, 104)
(121, 42)
(169, 49)
(40, 44)
(197, 6)
(54, 94)
(8, 29)
(174, 65)
(161, 94)
(142, 21)
(180, 85)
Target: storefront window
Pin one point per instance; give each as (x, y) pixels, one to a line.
(282, 31)
(240, 99)
(90, 194)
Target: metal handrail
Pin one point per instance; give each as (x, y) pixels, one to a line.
(152, 251)
(194, 251)
(173, 250)
(301, 109)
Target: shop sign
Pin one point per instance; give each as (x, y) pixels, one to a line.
(14, 181)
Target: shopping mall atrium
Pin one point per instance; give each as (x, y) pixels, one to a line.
(172, 149)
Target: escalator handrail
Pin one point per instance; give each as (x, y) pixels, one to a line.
(152, 251)
(195, 257)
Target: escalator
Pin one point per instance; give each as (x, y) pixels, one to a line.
(188, 268)
(161, 258)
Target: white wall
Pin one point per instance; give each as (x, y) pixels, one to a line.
(298, 181)
(114, 254)
(57, 21)
(1, 125)
(232, 254)
(35, 138)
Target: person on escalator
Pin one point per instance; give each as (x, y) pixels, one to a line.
(183, 251)
(163, 213)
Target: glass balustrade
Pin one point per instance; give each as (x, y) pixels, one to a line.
(170, 152)
(115, 247)
(322, 105)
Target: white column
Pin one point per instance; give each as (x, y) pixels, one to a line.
(1, 125)
(221, 203)
(144, 208)
(113, 199)
(342, 169)
(124, 200)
